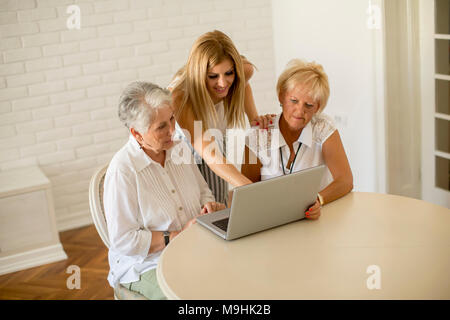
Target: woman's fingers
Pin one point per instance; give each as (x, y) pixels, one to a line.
(267, 120)
(313, 215)
(211, 207)
(189, 223)
(313, 212)
(315, 206)
(259, 121)
(263, 121)
(208, 207)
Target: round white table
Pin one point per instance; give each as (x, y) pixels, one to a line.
(364, 246)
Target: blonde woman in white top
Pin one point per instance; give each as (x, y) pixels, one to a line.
(213, 88)
(149, 195)
(306, 136)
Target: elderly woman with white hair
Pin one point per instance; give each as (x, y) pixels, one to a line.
(307, 137)
(148, 197)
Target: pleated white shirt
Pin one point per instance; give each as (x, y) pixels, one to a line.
(141, 196)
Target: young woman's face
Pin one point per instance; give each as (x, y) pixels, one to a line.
(219, 80)
(298, 107)
(159, 135)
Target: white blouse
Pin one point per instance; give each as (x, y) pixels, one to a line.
(313, 135)
(141, 196)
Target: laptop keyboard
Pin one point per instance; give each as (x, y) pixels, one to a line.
(222, 224)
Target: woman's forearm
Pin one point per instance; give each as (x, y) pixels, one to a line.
(337, 162)
(230, 173)
(337, 189)
(209, 150)
(158, 242)
(218, 163)
(249, 104)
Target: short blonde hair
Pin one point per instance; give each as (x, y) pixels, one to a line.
(208, 51)
(309, 74)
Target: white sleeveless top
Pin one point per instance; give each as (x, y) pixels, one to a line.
(221, 120)
(220, 125)
(313, 135)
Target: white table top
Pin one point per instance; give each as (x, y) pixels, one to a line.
(408, 239)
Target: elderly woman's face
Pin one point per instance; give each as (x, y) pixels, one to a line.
(159, 135)
(219, 80)
(298, 107)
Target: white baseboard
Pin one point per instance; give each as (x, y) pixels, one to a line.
(32, 258)
(74, 220)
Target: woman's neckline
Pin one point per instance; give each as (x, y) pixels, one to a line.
(155, 156)
(291, 136)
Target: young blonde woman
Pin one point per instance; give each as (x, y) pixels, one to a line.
(212, 89)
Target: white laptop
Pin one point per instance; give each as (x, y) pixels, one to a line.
(266, 204)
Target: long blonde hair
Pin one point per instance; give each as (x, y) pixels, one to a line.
(208, 51)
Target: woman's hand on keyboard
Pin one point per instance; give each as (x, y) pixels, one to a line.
(211, 207)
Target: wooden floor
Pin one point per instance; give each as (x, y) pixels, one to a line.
(85, 249)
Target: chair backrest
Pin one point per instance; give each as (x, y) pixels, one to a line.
(96, 203)
(98, 215)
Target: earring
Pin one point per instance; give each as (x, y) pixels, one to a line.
(140, 145)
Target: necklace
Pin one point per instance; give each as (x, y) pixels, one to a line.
(293, 162)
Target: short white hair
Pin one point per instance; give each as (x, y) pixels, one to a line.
(139, 102)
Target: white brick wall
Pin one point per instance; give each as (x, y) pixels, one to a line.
(59, 87)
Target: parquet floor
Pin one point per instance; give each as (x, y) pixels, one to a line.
(85, 249)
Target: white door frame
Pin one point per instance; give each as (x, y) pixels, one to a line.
(427, 56)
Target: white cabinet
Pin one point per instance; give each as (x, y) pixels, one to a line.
(28, 234)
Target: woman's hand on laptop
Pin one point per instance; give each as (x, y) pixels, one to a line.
(211, 207)
(173, 234)
(313, 212)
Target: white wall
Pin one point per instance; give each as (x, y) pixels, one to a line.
(59, 87)
(335, 34)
